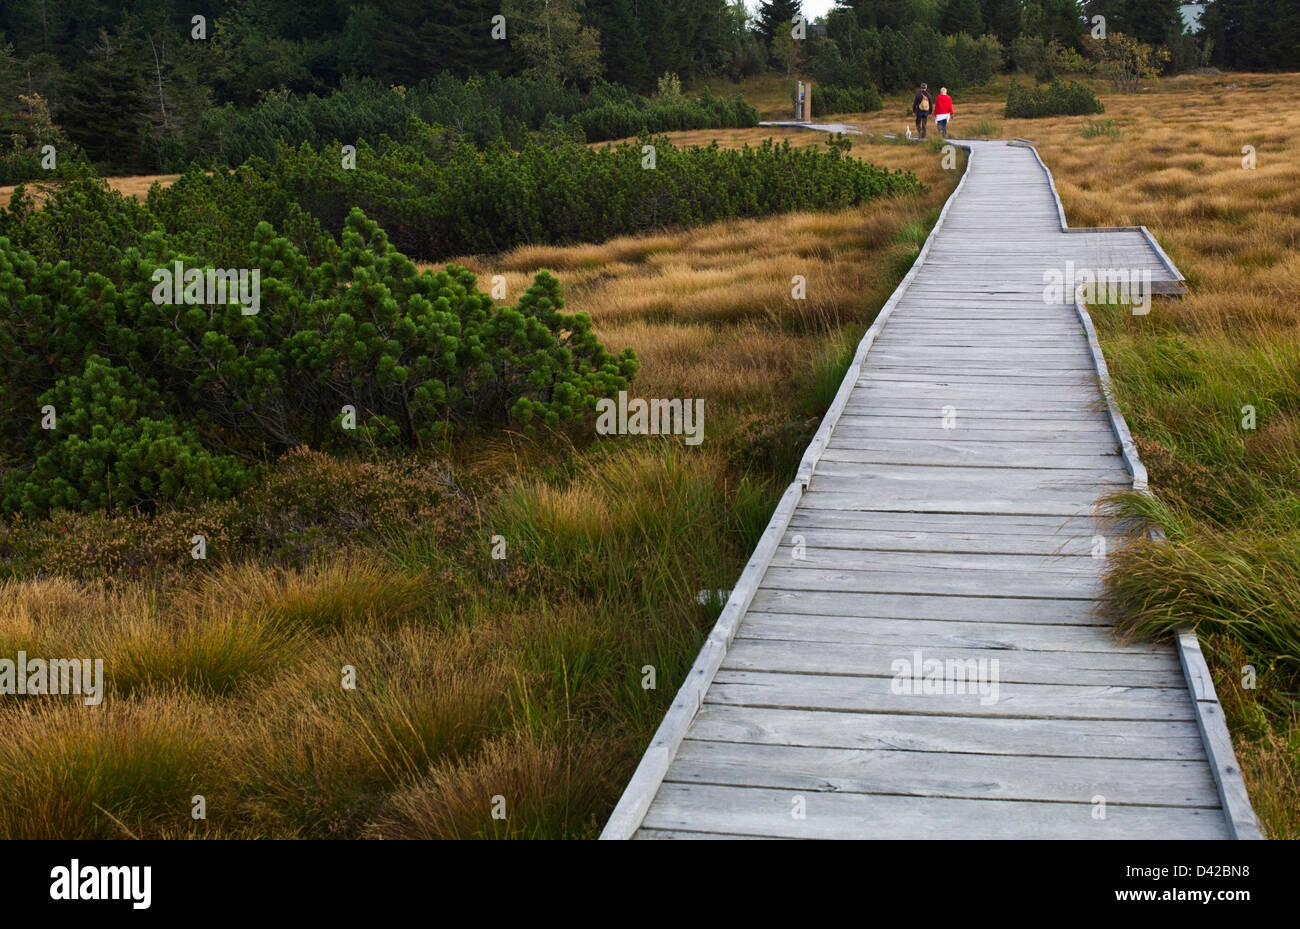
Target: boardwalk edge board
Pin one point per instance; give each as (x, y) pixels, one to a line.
(644, 785)
(1177, 286)
(648, 779)
(1242, 822)
(822, 437)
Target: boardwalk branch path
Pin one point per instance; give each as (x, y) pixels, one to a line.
(913, 651)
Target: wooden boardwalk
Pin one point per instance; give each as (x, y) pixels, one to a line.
(912, 651)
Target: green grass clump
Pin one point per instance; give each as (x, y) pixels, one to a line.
(1101, 127)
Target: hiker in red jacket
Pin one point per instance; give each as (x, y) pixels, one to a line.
(942, 111)
(922, 104)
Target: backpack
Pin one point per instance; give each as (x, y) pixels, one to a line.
(923, 104)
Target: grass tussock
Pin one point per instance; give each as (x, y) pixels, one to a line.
(517, 787)
(1240, 591)
(124, 770)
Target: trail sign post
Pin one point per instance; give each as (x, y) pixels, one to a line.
(803, 101)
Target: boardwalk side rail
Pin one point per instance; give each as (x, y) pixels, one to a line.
(644, 785)
(1179, 283)
(1242, 822)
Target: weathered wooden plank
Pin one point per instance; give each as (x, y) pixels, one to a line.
(1054, 355)
(906, 354)
(963, 543)
(896, 496)
(1062, 322)
(945, 376)
(950, 374)
(937, 338)
(1075, 403)
(960, 583)
(1006, 477)
(913, 330)
(957, 404)
(959, 426)
(905, 331)
(975, 454)
(829, 815)
(990, 524)
(987, 334)
(837, 478)
(807, 554)
(1092, 427)
(1059, 738)
(938, 633)
(1113, 668)
(965, 309)
(928, 606)
(877, 695)
(947, 774)
(966, 432)
(984, 396)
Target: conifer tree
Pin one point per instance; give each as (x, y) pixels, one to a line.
(105, 104)
(776, 16)
(961, 16)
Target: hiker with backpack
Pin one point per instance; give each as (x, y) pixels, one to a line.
(922, 104)
(942, 111)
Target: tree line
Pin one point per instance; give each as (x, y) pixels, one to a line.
(893, 44)
(146, 85)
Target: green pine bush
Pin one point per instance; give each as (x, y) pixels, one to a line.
(114, 447)
(1058, 99)
(828, 100)
(162, 402)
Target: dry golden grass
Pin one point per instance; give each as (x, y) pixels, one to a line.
(519, 786)
(125, 769)
(281, 747)
(1234, 233)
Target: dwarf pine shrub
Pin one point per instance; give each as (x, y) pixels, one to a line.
(827, 100)
(1057, 99)
(126, 402)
